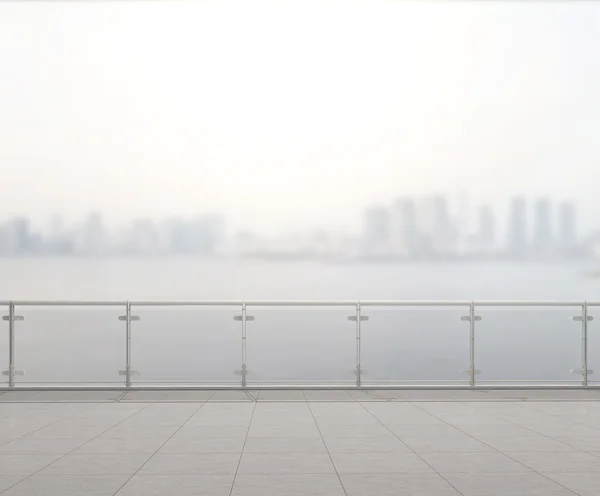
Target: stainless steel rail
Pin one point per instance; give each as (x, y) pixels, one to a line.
(358, 313)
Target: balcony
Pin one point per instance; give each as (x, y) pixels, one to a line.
(322, 398)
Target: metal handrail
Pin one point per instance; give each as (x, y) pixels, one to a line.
(497, 303)
(242, 308)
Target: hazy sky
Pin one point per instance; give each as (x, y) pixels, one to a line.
(284, 114)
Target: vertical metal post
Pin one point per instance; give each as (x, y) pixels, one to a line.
(11, 345)
(472, 344)
(128, 345)
(358, 347)
(244, 372)
(584, 334)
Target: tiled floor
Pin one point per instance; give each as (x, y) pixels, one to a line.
(288, 443)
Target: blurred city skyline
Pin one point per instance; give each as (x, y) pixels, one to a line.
(288, 115)
(405, 228)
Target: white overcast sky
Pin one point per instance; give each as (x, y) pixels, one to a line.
(283, 114)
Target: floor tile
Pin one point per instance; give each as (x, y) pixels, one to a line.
(366, 445)
(282, 445)
(472, 462)
(295, 463)
(330, 431)
(16, 431)
(140, 432)
(525, 484)
(287, 485)
(559, 462)
(212, 432)
(445, 444)
(177, 485)
(7, 481)
(582, 483)
(68, 485)
(201, 445)
(378, 463)
(109, 445)
(24, 464)
(283, 431)
(33, 446)
(529, 444)
(68, 432)
(95, 464)
(425, 484)
(584, 443)
(167, 464)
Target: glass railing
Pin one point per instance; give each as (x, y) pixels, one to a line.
(298, 343)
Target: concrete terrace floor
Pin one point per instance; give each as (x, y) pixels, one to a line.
(288, 443)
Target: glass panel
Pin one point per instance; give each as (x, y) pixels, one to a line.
(301, 345)
(186, 345)
(528, 344)
(594, 344)
(3, 344)
(69, 345)
(407, 344)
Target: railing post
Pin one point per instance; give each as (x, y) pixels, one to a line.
(244, 371)
(128, 345)
(358, 347)
(11, 345)
(472, 370)
(584, 344)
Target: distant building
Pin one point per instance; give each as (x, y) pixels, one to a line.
(17, 238)
(142, 238)
(486, 228)
(202, 236)
(92, 238)
(438, 234)
(567, 229)
(517, 227)
(543, 242)
(404, 229)
(376, 231)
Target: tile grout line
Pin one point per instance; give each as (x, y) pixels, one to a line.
(161, 446)
(237, 469)
(74, 449)
(326, 447)
(496, 450)
(412, 450)
(118, 400)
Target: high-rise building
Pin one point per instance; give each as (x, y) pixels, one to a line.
(517, 227)
(567, 230)
(92, 238)
(404, 230)
(376, 230)
(439, 235)
(486, 227)
(542, 226)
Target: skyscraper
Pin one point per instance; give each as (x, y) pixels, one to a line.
(404, 231)
(567, 230)
(517, 227)
(376, 233)
(542, 227)
(486, 227)
(434, 220)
